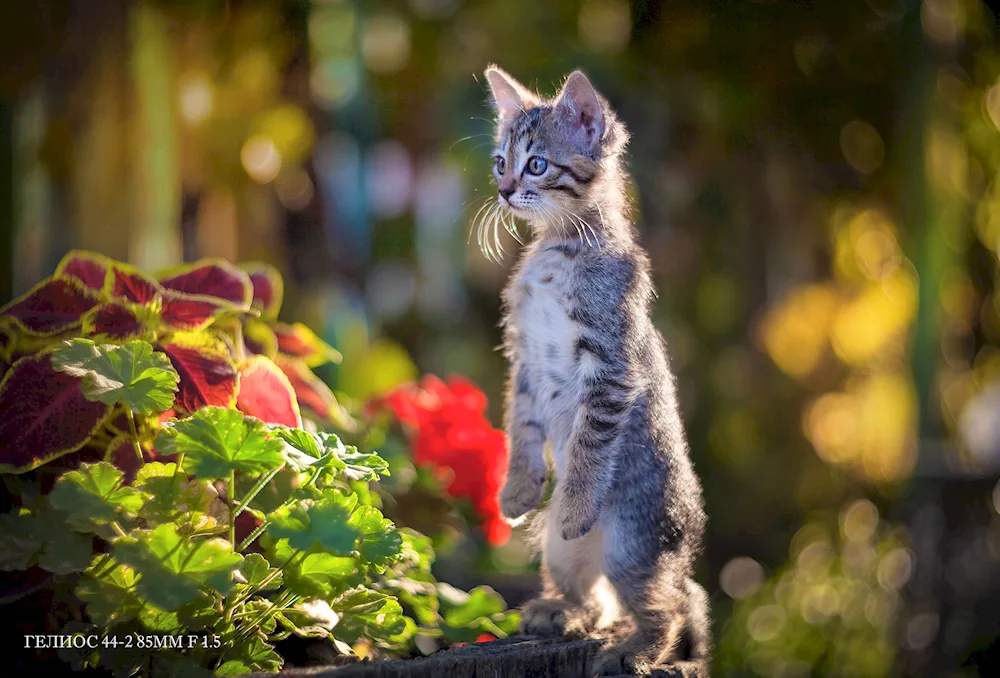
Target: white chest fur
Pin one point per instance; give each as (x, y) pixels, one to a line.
(546, 343)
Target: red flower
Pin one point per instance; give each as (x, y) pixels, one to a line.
(449, 433)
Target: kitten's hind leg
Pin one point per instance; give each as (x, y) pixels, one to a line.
(571, 600)
(668, 610)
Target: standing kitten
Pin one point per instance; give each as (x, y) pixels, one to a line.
(589, 374)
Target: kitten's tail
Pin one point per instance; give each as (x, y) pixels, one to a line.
(698, 631)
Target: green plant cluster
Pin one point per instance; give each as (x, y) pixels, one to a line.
(318, 559)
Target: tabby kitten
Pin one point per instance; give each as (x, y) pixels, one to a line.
(590, 376)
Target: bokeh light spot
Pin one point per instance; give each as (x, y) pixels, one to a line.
(741, 577)
(195, 97)
(260, 159)
(605, 25)
(385, 43)
(862, 146)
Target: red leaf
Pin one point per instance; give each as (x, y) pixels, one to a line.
(299, 341)
(207, 377)
(134, 286)
(45, 415)
(113, 322)
(89, 268)
(51, 307)
(214, 278)
(310, 391)
(190, 313)
(268, 288)
(266, 393)
(7, 340)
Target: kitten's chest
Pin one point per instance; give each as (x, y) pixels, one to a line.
(543, 296)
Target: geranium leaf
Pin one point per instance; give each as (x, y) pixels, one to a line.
(133, 375)
(311, 393)
(298, 341)
(265, 393)
(20, 541)
(45, 415)
(256, 654)
(317, 575)
(268, 288)
(367, 613)
(363, 466)
(305, 449)
(216, 441)
(380, 543)
(233, 667)
(93, 495)
(207, 375)
(130, 284)
(89, 268)
(466, 609)
(173, 569)
(256, 569)
(108, 590)
(117, 322)
(322, 522)
(213, 278)
(53, 306)
(70, 553)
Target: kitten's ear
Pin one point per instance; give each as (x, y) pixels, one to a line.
(581, 111)
(508, 96)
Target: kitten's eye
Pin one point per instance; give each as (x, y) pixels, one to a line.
(537, 166)
(501, 165)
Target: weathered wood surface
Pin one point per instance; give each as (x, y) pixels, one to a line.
(520, 657)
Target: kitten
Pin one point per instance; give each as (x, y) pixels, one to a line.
(590, 376)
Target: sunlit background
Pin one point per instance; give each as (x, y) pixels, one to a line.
(817, 184)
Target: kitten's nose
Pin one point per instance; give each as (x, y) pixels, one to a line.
(507, 192)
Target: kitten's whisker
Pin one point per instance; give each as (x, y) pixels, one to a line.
(477, 223)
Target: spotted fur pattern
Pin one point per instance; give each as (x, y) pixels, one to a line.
(590, 381)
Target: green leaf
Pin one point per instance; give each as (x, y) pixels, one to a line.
(233, 667)
(71, 552)
(256, 569)
(175, 570)
(159, 621)
(417, 549)
(257, 607)
(256, 654)
(367, 614)
(317, 575)
(305, 450)
(323, 522)
(107, 589)
(380, 543)
(133, 374)
(217, 440)
(20, 541)
(481, 601)
(363, 466)
(93, 496)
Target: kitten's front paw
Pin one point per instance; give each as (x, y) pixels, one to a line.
(576, 517)
(545, 617)
(520, 495)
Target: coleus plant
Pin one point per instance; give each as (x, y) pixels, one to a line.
(188, 501)
(216, 324)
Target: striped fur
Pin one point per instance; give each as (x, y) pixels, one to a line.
(590, 380)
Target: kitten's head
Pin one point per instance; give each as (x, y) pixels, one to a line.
(552, 158)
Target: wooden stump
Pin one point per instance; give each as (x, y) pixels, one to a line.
(519, 657)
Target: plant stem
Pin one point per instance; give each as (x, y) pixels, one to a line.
(118, 529)
(135, 435)
(256, 489)
(230, 491)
